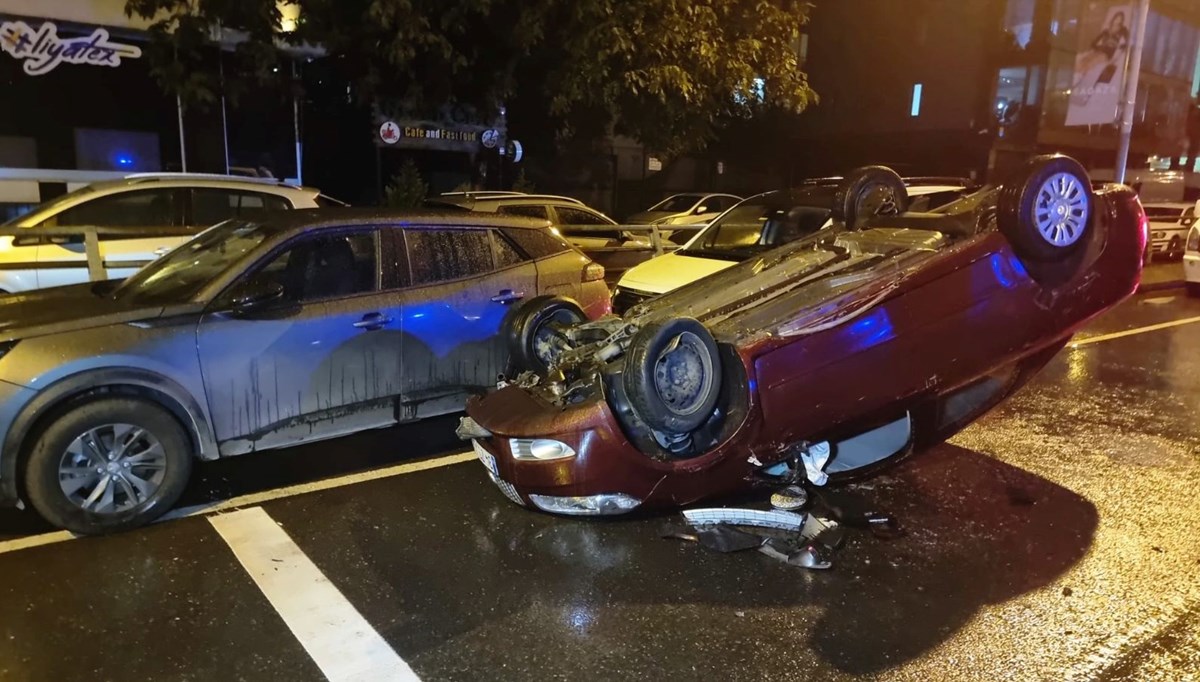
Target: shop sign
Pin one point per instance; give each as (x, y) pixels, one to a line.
(42, 50)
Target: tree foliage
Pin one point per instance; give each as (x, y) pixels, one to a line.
(407, 189)
(667, 72)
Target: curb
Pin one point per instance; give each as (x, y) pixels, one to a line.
(1160, 286)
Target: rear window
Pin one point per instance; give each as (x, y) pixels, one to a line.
(537, 243)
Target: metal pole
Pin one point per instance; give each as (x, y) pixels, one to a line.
(1132, 70)
(182, 143)
(296, 129)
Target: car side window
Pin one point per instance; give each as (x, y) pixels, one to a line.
(211, 205)
(137, 208)
(507, 255)
(574, 216)
(324, 266)
(537, 243)
(444, 255)
(527, 211)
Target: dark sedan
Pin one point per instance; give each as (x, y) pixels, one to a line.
(255, 336)
(826, 358)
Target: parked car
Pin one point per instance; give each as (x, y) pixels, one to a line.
(823, 359)
(258, 335)
(151, 214)
(1191, 255)
(1169, 225)
(617, 249)
(685, 209)
(756, 226)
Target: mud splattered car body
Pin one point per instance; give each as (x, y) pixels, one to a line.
(875, 336)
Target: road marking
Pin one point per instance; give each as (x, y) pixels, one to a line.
(257, 498)
(1131, 332)
(340, 641)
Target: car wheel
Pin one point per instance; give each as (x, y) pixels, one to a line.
(107, 465)
(1193, 289)
(1046, 211)
(673, 375)
(532, 331)
(868, 192)
(1175, 249)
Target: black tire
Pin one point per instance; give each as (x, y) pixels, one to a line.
(1056, 192)
(1193, 289)
(681, 405)
(42, 473)
(868, 192)
(531, 319)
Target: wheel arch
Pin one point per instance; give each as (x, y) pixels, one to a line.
(113, 381)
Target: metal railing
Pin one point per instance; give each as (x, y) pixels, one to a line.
(656, 242)
(89, 236)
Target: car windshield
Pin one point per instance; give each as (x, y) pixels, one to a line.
(177, 276)
(761, 224)
(678, 203)
(36, 215)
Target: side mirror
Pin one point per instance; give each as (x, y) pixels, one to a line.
(255, 294)
(701, 210)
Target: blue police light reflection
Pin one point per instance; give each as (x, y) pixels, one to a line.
(124, 160)
(869, 330)
(442, 327)
(1008, 270)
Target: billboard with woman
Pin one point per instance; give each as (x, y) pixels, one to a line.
(1100, 65)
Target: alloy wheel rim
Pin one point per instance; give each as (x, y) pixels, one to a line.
(1060, 209)
(112, 468)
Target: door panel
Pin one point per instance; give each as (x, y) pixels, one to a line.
(324, 361)
(451, 328)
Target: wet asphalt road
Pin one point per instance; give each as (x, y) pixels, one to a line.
(1055, 539)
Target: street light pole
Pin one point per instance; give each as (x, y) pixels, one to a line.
(1133, 67)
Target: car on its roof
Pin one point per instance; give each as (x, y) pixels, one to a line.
(257, 335)
(755, 226)
(148, 213)
(823, 359)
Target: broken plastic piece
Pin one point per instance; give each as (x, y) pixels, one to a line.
(469, 429)
(725, 538)
(809, 556)
(783, 520)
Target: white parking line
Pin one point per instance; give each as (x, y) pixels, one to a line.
(1131, 332)
(340, 641)
(258, 498)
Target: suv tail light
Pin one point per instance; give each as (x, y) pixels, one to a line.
(593, 272)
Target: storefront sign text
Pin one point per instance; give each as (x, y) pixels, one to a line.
(42, 50)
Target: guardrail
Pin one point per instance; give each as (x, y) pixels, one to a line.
(90, 236)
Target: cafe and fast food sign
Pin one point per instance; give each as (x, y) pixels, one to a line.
(42, 50)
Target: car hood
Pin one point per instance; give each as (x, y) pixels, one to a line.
(670, 271)
(62, 309)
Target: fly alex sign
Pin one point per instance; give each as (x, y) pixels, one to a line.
(42, 50)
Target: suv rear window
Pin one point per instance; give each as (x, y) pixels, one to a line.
(537, 243)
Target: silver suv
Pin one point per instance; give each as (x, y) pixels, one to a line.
(150, 214)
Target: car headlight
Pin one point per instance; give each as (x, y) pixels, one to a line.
(539, 448)
(588, 505)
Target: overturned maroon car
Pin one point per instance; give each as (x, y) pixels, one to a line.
(871, 338)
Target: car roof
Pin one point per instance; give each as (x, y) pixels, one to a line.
(202, 180)
(307, 219)
(498, 197)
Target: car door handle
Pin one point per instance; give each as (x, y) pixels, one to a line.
(372, 322)
(507, 296)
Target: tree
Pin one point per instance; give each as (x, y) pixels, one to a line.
(667, 72)
(407, 189)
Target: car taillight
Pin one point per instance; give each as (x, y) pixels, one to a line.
(1193, 240)
(594, 272)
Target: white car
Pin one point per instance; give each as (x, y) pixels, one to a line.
(1191, 254)
(744, 231)
(154, 213)
(1169, 224)
(685, 209)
